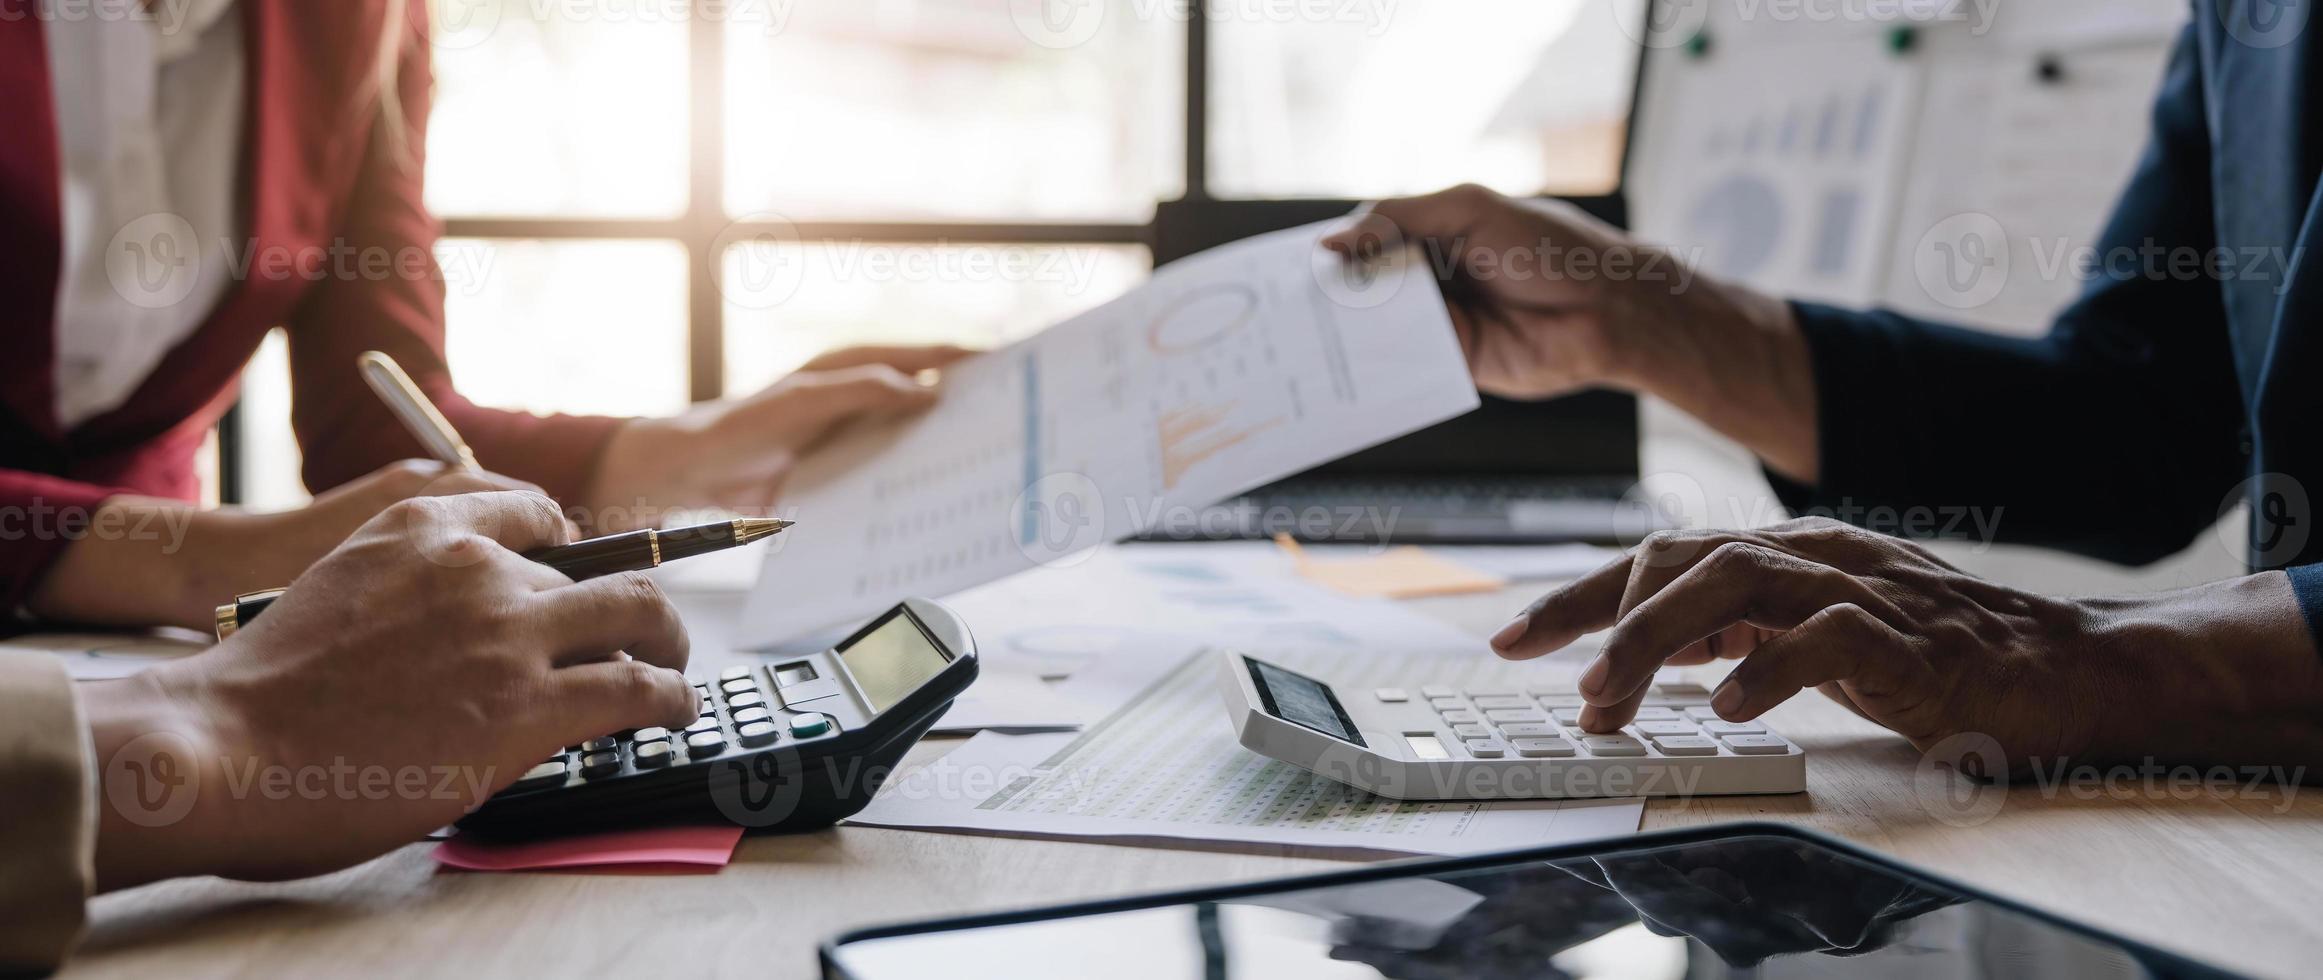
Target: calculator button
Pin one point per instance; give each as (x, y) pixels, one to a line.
(748, 715)
(1657, 729)
(1438, 692)
(597, 764)
(1686, 745)
(546, 774)
(1757, 744)
(706, 706)
(1655, 714)
(1502, 701)
(734, 673)
(1531, 730)
(1516, 714)
(1613, 745)
(1542, 748)
(1471, 731)
(653, 755)
(750, 699)
(1484, 748)
(757, 733)
(652, 734)
(1567, 716)
(601, 744)
(1447, 704)
(810, 725)
(1392, 695)
(1462, 717)
(1734, 727)
(738, 687)
(705, 743)
(706, 723)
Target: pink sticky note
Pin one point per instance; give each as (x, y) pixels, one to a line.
(663, 850)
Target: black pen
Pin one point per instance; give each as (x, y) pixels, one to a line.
(629, 552)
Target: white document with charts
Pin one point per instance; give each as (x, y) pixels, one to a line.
(1166, 767)
(1228, 370)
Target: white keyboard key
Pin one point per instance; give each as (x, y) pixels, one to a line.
(1463, 717)
(1734, 728)
(1657, 729)
(1489, 701)
(1565, 699)
(1447, 704)
(1516, 714)
(1484, 748)
(1494, 692)
(1393, 695)
(1655, 714)
(1704, 713)
(1613, 745)
(1567, 716)
(1531, 730)
(1542, 748)
(1757, 744)
(1471, 731)
(1686, 745)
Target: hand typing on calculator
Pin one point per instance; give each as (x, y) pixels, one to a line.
(416, 670)
(1996, 680)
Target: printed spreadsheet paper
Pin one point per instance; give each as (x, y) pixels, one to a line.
(1167, 766)
(1228, 370)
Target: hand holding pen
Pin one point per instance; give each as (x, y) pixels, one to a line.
(632, 551)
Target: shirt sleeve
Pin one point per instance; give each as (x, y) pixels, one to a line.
(342, 428)
(2117, 435)
(47, 860)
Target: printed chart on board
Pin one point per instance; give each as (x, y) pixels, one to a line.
(1228, 370)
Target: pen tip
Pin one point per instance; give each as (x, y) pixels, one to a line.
(748, 529)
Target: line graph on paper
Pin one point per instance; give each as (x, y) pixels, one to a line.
(1189, 436)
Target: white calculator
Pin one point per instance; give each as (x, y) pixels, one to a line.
(1444, 742)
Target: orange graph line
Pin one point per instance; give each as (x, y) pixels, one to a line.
(1190, 436)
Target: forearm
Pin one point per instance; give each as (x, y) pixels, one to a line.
(159, 784)
(2219, 674)
(141, 562)
(1727, 355)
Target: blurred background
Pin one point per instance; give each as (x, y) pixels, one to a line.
(916, 170)
(731, 187)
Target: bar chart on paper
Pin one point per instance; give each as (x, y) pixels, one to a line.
(1228, 370)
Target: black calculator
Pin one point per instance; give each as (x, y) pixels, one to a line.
(796, 743)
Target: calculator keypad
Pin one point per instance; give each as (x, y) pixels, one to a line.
(1544, 723)
(736, 713)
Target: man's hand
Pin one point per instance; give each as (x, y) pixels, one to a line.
(736, 454)
(409, 675)
(1548, 300)
(169, 562)
(2222, 673)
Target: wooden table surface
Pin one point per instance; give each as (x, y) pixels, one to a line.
(2235, 878)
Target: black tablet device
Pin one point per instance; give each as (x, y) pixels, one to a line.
(1740, 900)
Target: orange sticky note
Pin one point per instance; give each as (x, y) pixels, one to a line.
(703, 849)
(1407, 572)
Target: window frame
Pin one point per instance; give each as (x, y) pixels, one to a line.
(1178, 228)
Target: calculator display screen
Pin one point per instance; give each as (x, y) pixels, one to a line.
(1301, 701)
(892, 661)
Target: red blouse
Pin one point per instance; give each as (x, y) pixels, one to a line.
(321, 181)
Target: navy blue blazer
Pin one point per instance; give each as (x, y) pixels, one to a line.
(2159, 398)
